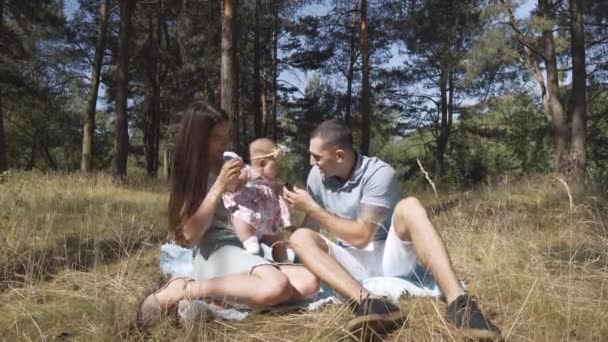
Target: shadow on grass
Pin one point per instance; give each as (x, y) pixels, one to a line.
(72, 252)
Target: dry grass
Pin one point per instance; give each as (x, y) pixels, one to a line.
(78, 253)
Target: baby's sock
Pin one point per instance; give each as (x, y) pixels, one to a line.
(252, 245)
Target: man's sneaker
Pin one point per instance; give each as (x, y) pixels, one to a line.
(374, 316)
(465, 314)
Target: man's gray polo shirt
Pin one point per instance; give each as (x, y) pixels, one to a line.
(373, 183)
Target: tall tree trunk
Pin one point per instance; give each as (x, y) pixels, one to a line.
(264, 99)
(534, 60)
(365, 86)
(352, 55)
(122, 84)
(257, 106)
(3, 161)
(88, 132)
(243, 114)
(275, 65)
(578, 156)
(181, 19)
(228, 76)
(446, 85)
(152, 104)
(558, 120)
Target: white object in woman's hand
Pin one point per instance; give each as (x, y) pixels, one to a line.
(230, 155)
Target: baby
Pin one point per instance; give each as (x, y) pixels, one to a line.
(258, 211)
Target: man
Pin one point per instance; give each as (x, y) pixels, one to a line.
(357, 199)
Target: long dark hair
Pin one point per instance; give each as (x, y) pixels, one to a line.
(190, 169)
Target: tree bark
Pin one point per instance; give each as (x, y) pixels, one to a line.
(275, 65)
(352, 54)
(3, 161)
(578, 156)
(257, 106)
(122, 83)
(558, 120)
(534, 60)
(228, 74)
(365, 86)
(88, 132)
(264, 97)
(152, 102)
(446, 84)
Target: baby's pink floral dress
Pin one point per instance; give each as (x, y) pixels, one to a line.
(257, 203)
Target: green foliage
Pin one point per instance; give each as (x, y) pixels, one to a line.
(597, 132)
(508, 137)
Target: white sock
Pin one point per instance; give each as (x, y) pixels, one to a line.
(252, 245)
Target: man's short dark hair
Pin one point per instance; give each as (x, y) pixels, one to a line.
(334, 132)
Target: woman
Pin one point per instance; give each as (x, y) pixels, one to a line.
(197, 218)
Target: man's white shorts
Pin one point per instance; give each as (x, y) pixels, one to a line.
(391, 257)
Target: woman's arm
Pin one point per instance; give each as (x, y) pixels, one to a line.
(196, 226)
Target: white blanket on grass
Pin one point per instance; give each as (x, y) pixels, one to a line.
(177, 261)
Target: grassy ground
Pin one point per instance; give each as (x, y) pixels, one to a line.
(79, 252)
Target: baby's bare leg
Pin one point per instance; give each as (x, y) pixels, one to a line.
(246, 233)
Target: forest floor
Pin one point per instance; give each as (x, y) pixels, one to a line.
(79, 252)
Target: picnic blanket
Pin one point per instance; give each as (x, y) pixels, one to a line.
(177, 261)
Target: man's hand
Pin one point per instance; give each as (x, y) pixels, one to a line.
(299, 199)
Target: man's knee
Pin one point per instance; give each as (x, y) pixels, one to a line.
(304, 238)
(409, 207)
(407, 212)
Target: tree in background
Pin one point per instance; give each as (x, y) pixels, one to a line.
(3, 163)
(34, 85)
(122, 88)
(537, 40)
(229, 73)
(366, 109)
(88, 131)
(151, 110)
(258, 120)
(576, 161)
(438, 35)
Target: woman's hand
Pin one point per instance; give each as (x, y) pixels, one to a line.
(230, 172)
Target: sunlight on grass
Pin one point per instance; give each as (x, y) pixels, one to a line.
(80, 252)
